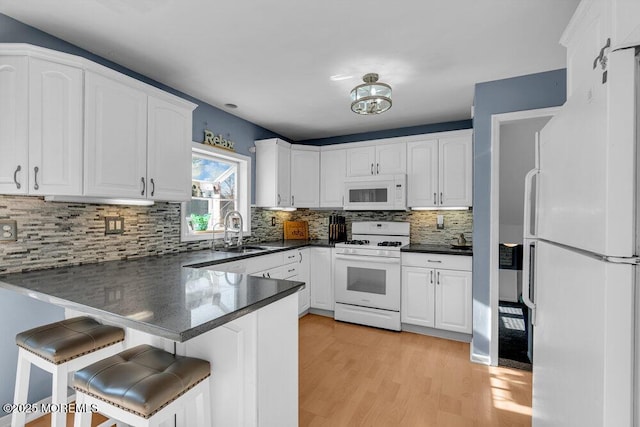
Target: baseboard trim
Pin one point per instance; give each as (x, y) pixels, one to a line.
(5, 421)
(438, 333)
(320, 312)
(480, 358)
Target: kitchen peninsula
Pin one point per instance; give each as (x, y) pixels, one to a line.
(246, 326)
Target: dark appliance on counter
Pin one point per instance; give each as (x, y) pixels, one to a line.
(337, 229)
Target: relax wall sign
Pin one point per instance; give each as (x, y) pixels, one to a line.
(218, 141)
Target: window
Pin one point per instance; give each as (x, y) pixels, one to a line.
(219, 184)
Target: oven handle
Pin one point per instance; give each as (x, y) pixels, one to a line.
(377, 260)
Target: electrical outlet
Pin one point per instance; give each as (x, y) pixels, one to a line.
(8, 230)
(113, 225)
(440, 222)
(273, 221)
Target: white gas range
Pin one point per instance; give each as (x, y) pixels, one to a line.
(367, 274)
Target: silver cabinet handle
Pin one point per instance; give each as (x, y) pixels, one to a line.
(438, 277)
(293, 200)
(371, 168)
(279, 199)
(144, 186)
(300, 253)
(35, 178)
(153, 187)
(440, 198)
(435, 198)
(15, 176)
(432, 260)
(377, 168)
(269, 275)
(290, 270)
(431, 277)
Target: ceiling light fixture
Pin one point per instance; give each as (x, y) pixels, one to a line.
(371, 97)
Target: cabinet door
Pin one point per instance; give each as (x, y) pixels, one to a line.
(14, 125)
(391, 159)
(55, 128)
(422, 173)
(455, 171)
(168, 151)
(361, 161)
(333, 166)
(453, 300)
(418, 296)
(115, 139)
(321, 278)
(303, 276)
(305, 178)
(284, 176)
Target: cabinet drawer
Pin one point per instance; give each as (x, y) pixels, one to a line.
(289, 270)
(263, 262)
(291, 257)
(448, 262)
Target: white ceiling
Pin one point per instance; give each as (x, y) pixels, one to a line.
(274, 59)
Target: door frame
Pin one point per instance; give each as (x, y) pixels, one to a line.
(494, 233)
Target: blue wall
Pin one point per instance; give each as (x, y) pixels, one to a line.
(501, 96)
(413, 130)
(204, 116)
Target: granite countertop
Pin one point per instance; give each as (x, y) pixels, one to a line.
(437, 249)
(161, 295)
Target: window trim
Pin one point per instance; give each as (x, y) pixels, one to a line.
(244, 191)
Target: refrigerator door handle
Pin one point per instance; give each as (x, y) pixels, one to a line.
(526, 277)
(528, 179)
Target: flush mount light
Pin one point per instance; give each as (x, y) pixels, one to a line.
(371, 97)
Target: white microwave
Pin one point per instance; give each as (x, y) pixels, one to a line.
(378, 192)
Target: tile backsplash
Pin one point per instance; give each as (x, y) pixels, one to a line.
(63, 234)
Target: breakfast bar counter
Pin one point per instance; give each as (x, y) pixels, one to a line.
(245, 326)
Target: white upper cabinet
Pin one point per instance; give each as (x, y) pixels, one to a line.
(305, 177)
(14, 125)
(387, 159)
(70, 127)
(168, 151)
(455, 171)
(361, 161)
(115, 138)
(40, 127)
(391, 159)
(440, 172)
(422, 173)
(55, 128)
(273, 173)
(137, 146)
(333, 166)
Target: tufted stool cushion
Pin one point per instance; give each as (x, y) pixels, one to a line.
(62, 341)
(142, 379)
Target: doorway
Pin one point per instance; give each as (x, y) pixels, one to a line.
(514, 154)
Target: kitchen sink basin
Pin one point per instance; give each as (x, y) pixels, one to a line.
(244, 249)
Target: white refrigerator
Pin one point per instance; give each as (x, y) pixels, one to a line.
(580, 253)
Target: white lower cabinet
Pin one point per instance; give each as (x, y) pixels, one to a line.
(302, 275)
(437, 297)
(321, 278)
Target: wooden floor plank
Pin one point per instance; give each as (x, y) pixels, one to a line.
(352, 375)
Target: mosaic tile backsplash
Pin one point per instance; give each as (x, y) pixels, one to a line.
(63, 234)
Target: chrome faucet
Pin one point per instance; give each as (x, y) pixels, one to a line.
(229, 229)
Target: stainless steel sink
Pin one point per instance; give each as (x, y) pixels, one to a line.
(244, 249)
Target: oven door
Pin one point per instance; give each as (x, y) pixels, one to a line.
(367, 281)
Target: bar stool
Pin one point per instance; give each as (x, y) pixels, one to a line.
(143, 386)
(61, 348)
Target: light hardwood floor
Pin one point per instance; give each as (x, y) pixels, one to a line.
(45, 421)
(353, 375)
